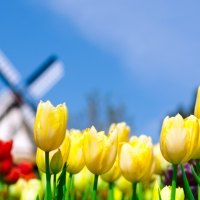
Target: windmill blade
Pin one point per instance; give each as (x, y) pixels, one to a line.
(7, 101)
(8, 71)
(47, 79)
(28, 115)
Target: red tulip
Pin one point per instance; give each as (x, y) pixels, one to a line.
(13, 176)
(25, 167)
(6, 166)
(5, 149)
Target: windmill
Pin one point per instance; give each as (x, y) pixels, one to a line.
(18, 102)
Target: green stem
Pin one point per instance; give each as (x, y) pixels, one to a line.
(186, 185)
(134, 195)
(69, 186)
(85, 194)
(140, 191)
(54, 186)
(174, 180)
(110, 192)
(198, 166)
(72, 188)
(198, 192)
(123, 196)
(48, 195)
(94, 192)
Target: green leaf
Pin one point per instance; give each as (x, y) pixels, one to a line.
(197, 178)
(61, 186)
(186, 185)
(160, 198)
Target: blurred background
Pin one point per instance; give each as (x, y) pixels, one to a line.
(115, 61)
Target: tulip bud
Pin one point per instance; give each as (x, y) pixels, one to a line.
(136, 158)
(75, 161)
(99, 150)
(179, 138)
(56, 162)
(50, 126)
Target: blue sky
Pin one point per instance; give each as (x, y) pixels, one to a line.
(145, 53)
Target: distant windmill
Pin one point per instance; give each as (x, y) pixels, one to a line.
(18, 102)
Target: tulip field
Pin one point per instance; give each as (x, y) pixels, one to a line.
(114, 165)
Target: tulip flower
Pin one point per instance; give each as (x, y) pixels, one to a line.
(179, 138)
(49, 132)
(56, 161)
(165, 193)
(6, 166)
(160, 163)
(75, 161)
(83, 179)
(26, 170)
(65, 147)
(197, 104)
(99, 152)
(178, 142)
(112, 175)
(5, 149)
(122, 130)
(124, 186)
(15, 190)
(32, 190)
(50, 126)
(136, 159)
(6, 160)
(13, 176)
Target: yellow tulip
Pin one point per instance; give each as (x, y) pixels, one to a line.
(160, 163)
(196, 154)
(99, 150)
(197, 104)
(65, 147)
(156, 191)
(50, 126)
(179, 138)
(15, 190)
(75, 161)
(83, 179)
(32, 189)
(122, 130)
(113, 174)
(165, 193)
(136, 158)
(56, 161)
(123, 185)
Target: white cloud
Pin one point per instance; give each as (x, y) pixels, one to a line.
(155, 40)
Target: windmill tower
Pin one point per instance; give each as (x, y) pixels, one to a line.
(18, 102)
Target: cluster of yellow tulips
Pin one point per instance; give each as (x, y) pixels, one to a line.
(79, 160)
